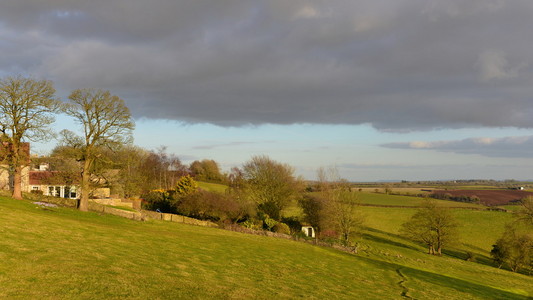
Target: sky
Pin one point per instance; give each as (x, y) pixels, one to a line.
(381, 90)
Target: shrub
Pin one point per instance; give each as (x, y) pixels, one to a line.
(37, 192)
(329, 236)
(448, 196)
(161, 200)
(269, 223)
(294, 224)
(212, 206)
(186, 185)
(281, 228)
(252, 224)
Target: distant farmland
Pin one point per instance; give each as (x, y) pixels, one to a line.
(490, 197)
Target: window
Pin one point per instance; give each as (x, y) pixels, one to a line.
(70, 192)
(54, 191)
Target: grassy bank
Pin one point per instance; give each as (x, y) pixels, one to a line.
(51, 253)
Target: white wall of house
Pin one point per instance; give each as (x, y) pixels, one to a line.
(62, 191)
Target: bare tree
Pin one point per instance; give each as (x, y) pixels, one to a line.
(433, 225)
(105, 121)
(341, 206)
(515, 246)
(162, 169)
(525, 214)
(26, 112)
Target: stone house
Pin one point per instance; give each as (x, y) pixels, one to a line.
(40, 179)
(50, 183)
(6, 180)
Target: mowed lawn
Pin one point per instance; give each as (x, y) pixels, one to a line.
(51, 253)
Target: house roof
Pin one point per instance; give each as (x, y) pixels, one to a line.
(40, 177)
(50, 177)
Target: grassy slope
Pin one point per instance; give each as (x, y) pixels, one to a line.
(478, 229)
(213, 187)
(58, 252)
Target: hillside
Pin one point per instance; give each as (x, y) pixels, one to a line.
(50, 253)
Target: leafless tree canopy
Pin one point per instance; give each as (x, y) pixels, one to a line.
(26, 112)
(105, 122)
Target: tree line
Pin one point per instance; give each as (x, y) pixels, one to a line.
(258, 196)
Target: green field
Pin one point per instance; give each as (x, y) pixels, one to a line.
(395, 200)
(478, 229)
(51, 253)
(213, 187)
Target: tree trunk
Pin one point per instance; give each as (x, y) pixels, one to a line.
(17, 183)
(439, 242)
(85, 178)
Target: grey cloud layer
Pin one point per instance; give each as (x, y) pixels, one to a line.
(519, 147)
(399, 65)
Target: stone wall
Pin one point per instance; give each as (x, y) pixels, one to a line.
(139, 215)
(147, 214)
(113, 202)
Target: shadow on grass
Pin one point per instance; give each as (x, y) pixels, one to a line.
(378, 239)
(474, 289)
(454, 253)
(382, 240)
(478, 258)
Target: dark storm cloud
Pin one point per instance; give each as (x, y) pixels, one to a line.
(519, 147)
(398, 65)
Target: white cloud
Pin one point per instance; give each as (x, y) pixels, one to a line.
(484, 141)
(420, 145)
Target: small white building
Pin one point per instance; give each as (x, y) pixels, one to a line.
(308, 230)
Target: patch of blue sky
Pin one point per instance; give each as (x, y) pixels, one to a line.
(354, 149)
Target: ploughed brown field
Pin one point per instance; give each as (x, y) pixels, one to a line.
(490, 197)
